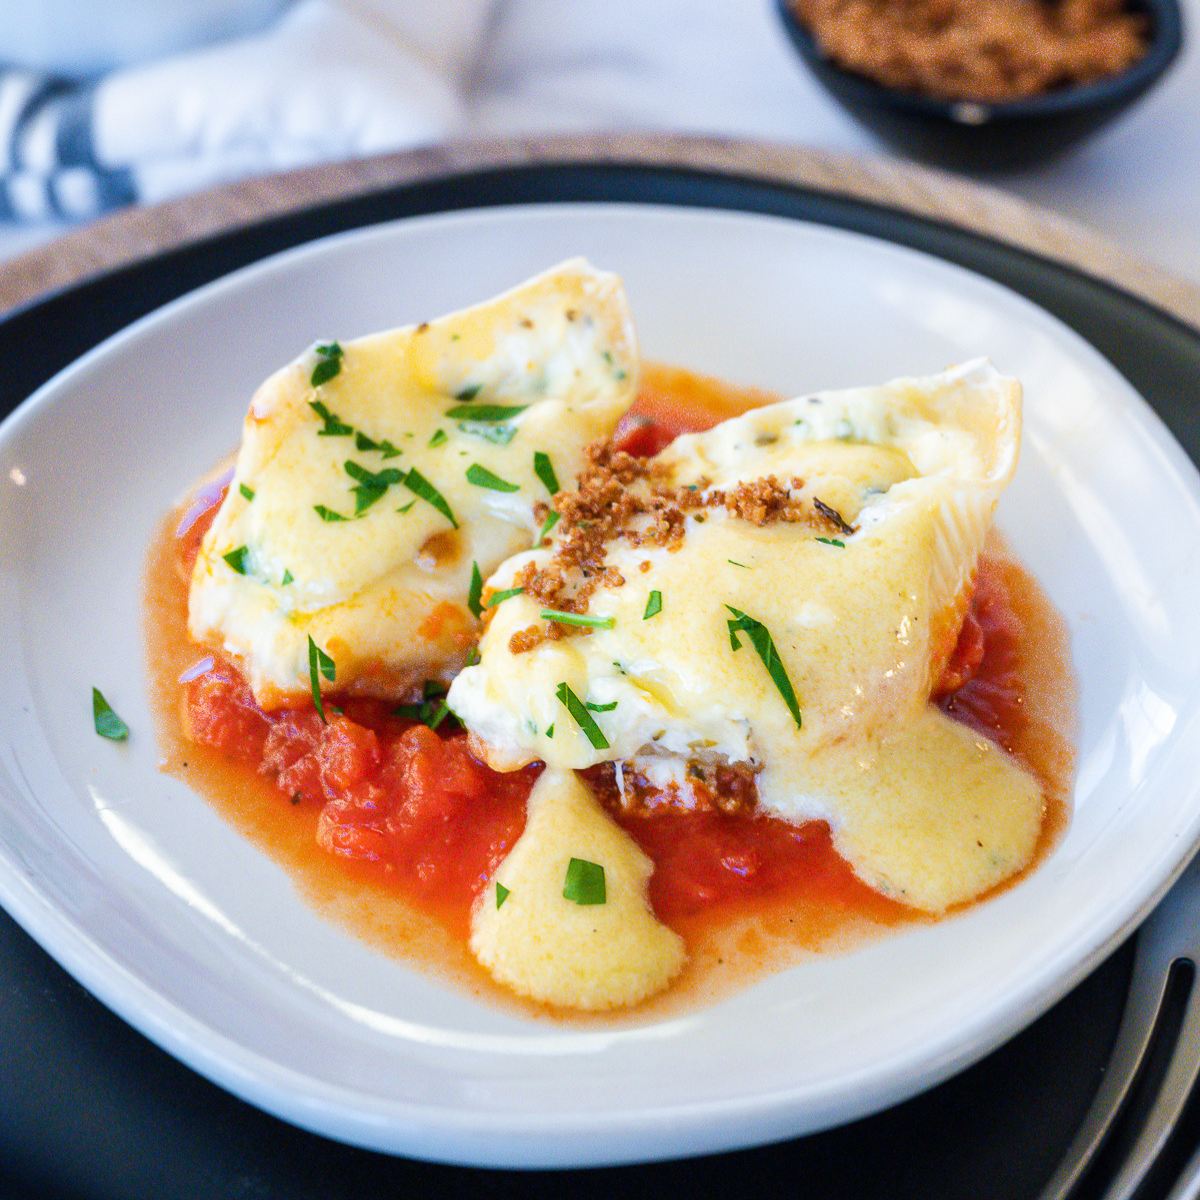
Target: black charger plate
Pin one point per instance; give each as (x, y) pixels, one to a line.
(90, 1108)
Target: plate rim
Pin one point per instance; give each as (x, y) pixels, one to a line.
(676, 1113)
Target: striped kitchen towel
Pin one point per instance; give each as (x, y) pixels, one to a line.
(50, 168)
(331, 79)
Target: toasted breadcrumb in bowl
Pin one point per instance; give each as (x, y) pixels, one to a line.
(984, 86)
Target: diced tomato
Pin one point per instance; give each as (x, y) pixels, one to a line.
(991, 695)
(641, 437)
(708, 859)
(221, 713)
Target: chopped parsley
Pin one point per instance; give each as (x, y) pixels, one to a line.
(467, 394)
(833, 542)
(319, 663)
(371, 485)
(481, 477)
(501, 435)
(431, 710)
(502, 894)
(489, 413)
(584, 883)
(547, 525)
(439, 436)
(567, 618)
(735, 563)
(543, 468)
(602, 707)
(334, 425)
(362, 442)
(653, 605)
(475, 592)
(329, 364)
(550, 730)
(327, 514)
(247, 493)
(237, 559)
(107, 723)
(406, 507)
(764, 646)
(416, 482)
(500, 597)
(288, 577)
(582, 717)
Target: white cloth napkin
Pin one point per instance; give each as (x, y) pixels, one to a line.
(329, 80)
(337, 78)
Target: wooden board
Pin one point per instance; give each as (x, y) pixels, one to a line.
(136, 233)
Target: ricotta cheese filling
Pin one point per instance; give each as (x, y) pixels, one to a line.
(781, 592)
(377, 478)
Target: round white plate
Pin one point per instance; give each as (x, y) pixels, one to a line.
(200, 941)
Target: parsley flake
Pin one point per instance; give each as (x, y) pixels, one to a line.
(247, 493)
(502, 894)
(764, 646)
(237, 559)
(582, 717)
(288, 577)
(416, 482)
(334, 425)
(439, 436)
(372, 485)
(833, 542)
(489, 413)
(500, 597)
(653, 605)
(602, 707)
(329, 364)
(432, 710)
(319, 663)
(547, 525)
(481, 477)
(567, 618)
(362, 442)
(107, 723)
(467, 394)
(327, 514)
(475, 592)
(543, 468)
(584, 882)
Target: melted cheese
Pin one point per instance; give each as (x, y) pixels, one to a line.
(861, 630)
(539, 943)
(384, 592)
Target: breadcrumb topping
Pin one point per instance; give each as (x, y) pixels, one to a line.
(624, 499)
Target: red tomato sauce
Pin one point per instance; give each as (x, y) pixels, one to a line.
(393, 792)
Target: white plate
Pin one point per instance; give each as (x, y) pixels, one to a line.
(200, 941)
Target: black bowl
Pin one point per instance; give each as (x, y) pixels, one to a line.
(1009, 134)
